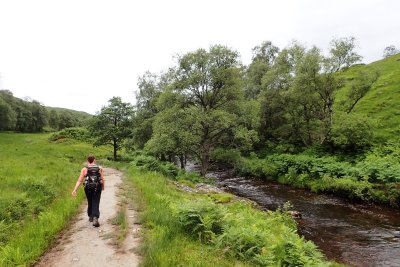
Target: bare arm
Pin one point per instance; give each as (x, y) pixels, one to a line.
(102, 178)
(79, 181)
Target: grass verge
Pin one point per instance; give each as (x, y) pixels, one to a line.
(184, 229)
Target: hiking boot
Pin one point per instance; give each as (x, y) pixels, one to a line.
(90, 219)
(96, 222)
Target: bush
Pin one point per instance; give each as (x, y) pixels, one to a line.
(352, 131)
(75, 133)
(227, 157)
(201, 219)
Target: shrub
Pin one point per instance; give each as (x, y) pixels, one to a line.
(201, 219)
(228, 157)
(352, 131)
(75, 133)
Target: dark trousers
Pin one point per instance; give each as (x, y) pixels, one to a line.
(93, 199)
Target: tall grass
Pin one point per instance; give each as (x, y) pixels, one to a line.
(183, 229)
(37, 177)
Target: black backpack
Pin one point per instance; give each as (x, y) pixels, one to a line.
(92, 178)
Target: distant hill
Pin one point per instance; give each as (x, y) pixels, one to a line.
(382, 103)
(30, 116)
(81, 114)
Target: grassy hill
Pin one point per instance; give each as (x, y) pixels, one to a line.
(81, 114)
(382, 103)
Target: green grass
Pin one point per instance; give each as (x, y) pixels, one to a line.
(183, 229)
(37, 178)
(121, 221)
(382, 103)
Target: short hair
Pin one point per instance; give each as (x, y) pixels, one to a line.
(90, 158)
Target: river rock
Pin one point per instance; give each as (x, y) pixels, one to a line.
(295, 214)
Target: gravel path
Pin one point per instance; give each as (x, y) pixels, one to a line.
(85, 245)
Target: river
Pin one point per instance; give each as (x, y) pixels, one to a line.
(349, 233)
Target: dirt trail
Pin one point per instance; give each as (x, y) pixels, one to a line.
(85, 245)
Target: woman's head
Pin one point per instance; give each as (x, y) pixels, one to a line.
(91, 159)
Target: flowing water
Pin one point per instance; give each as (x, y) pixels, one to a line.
(354, 234)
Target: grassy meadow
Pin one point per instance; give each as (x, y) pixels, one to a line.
(37, 177)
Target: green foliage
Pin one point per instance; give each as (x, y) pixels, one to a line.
(352, 131)
(200, 106)
(75, 133)
(112, 125)
(149, 163)
(31, 116)
(8, 117)
(342, 53)
(201, 219)
(374, 178)
(230, 235)
(227, 157)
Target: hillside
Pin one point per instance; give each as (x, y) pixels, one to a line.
(31, 116)
(381, 104)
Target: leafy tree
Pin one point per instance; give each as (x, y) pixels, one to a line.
(146, 97)
(66, 120)
(24, 119)
(200, 109)
(298, 97)
(390, 50)
(39, 116)
(263, 58)
(342, 54)
(174, 130)
(112, 124)
(53, 119)
(8, 117)
(360, 86)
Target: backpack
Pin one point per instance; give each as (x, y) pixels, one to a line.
(92, 178)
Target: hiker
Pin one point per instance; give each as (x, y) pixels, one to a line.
(93, 178)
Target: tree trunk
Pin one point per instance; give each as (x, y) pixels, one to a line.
(182, 161)
(204, 163)
(115, 149)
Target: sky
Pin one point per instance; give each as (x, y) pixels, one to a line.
(78, 54)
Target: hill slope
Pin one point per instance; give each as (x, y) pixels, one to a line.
(382, 103)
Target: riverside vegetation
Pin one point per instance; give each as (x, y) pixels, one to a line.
(196, 230)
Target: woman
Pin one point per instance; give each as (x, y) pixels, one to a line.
(93, 185)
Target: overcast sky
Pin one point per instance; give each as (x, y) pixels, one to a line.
(79, 54)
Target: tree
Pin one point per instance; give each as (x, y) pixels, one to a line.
(112, 124)
(390, 50)
(39, 116)
(263, 58)
(54, 119)
(200, 109)
(360, 86)
(8, 117)
(298, 97)
(173, 135)
(24, 119)
(66, 120)
(342, 54)
(146, 98)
